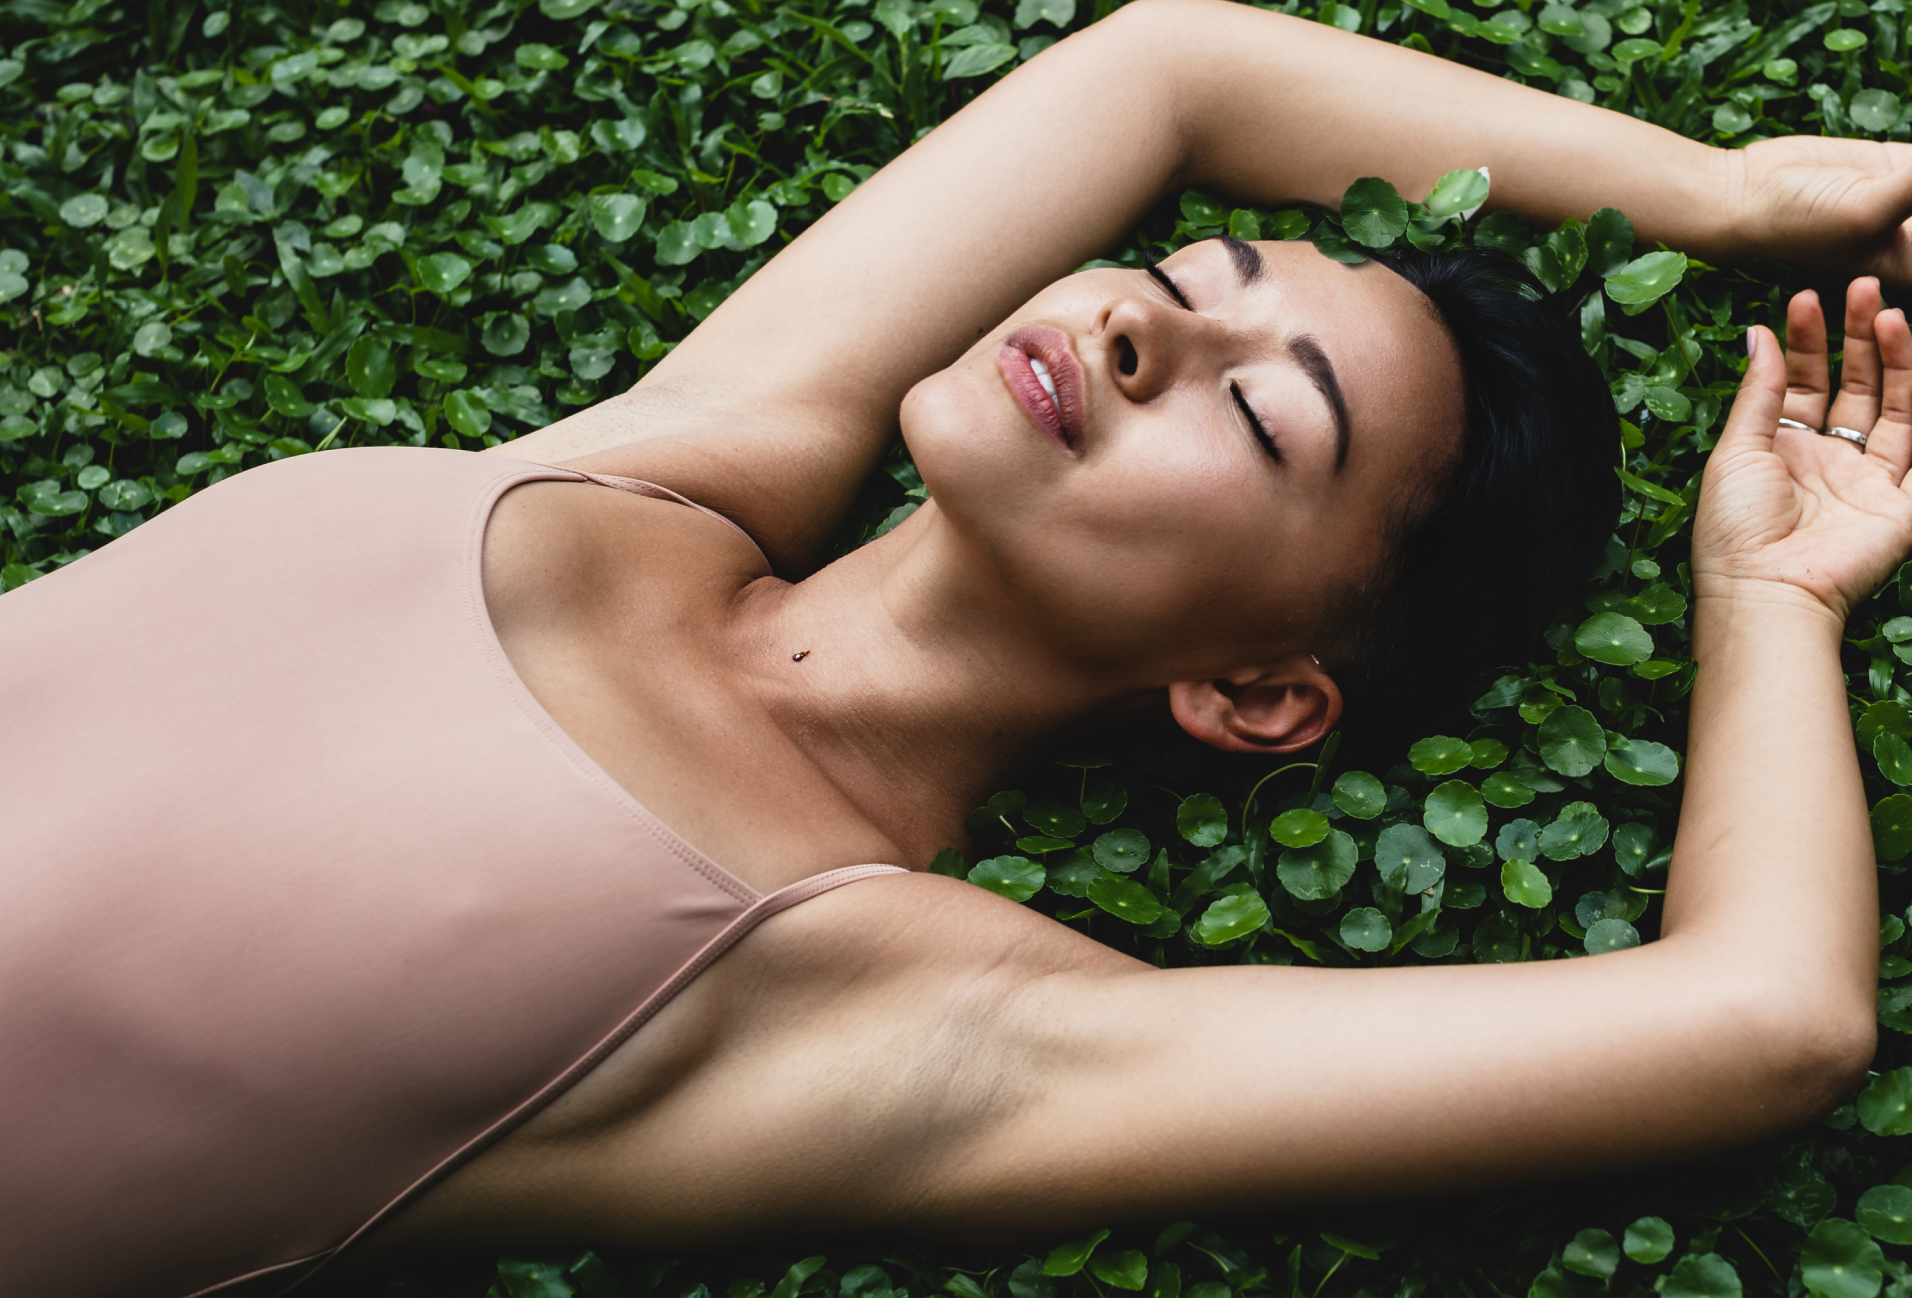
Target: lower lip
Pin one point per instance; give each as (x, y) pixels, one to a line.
(1034, 399)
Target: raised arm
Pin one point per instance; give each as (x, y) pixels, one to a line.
(780, 402)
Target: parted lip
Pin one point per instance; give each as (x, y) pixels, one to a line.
(1061, 419)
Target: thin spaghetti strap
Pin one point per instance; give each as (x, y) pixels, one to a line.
(638, 487)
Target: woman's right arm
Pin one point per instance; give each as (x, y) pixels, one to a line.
(776, 407)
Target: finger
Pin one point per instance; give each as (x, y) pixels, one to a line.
(1891, 440)
(1808, 376)
(1754, 419)
(1857, 405)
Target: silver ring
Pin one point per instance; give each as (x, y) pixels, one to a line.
(1794, 423)
(1852, 435)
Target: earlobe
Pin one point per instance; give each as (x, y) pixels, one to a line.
(1276, 708)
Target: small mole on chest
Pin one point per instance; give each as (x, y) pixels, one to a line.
(799, 656)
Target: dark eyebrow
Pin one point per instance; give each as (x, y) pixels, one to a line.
(1306, 349)
(1245, 255)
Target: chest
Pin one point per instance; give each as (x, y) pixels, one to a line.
(620, 615)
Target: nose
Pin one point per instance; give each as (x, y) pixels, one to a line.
(1148, 344)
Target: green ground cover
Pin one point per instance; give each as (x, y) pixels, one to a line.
(229, 235)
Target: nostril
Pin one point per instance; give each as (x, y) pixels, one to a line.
(1126, 358)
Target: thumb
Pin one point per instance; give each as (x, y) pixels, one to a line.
(1754, 420)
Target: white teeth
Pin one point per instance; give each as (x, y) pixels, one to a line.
(1048, 384)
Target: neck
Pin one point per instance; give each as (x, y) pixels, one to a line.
(906, 675)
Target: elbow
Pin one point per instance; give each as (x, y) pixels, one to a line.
(1809, 1048)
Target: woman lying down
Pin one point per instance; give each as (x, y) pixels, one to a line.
(412, 849)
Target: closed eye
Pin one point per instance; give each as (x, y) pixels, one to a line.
(1260, 430)
(1161, 277)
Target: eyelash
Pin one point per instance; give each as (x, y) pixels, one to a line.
(1261, 433)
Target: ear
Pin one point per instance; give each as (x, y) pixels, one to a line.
(1278, 707)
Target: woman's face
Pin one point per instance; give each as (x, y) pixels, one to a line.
(1207, 478)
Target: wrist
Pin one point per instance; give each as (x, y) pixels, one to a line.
(1726, 609)
(1728, 203)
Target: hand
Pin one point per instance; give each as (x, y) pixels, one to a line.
(1840, 205)
(1784, 511)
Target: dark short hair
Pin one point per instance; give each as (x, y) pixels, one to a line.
(1475, 565)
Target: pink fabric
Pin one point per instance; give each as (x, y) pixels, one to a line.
(304, 897)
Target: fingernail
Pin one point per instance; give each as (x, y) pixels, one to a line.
(1752, 342)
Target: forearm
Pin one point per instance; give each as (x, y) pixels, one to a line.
(1774, 854)
(1279, 109)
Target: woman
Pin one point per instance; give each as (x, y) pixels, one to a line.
(378, 930)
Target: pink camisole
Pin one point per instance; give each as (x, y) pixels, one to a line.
(303, 897)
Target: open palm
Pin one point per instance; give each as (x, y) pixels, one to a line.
(1798, 510)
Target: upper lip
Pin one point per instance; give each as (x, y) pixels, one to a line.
(1052, 347)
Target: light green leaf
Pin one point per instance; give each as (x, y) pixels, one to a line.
(1649, 278)
(1128, 1269)
(1642, 761)
(1230, 918)
(1504, 789)
(443, 271)
(1126, 899)
(1014, 877)
(466, 412)
(1614, 639)
(1610, 935)
(1457, 192)
(1455, 814)
(975, 60)
(1702, 1275)
(1058, 13)
(1885, 1107)
(1301, 827)
(1886, 1213)
(1408, 859)
(1525, 884)
(1068, 1259)
(1440, 755)
(1593, 1253)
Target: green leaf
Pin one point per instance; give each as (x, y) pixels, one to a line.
(1058, 13)
(975, 60)
(1366, 929)
(284, 396)
(1057, 819)
(1126, 899)
(1504, 789)
(1885, 1211)
(1702, 1275)
(1578, 830)
(1360, 795)
(1592, 1253)
(1128, 1269)
(1014, 877)
(1102, 803)
(1885, 1107)
(1648, 1240)
(83, 210)
(1571, 741)
(1202, 820)
(616, 217)
(750, 223)
(1892, 827)
(1455, 814)
(1642, 761)
(443, 271)
(1068, 1259)
(466, 412)
(1614, 639)
(1525, 884)
(1875, 110)
(1610, 935)
(1123, 851)
(1319, 872)
(1440, 755)
(1457, 192)
(1408, 859)
(1633, 847)
(1845, 40)
(369, 367)
(1301, 827)
(1840, 1260)
(792, 1282)
(1649, 278)
(1230, 918)
(506, 335)
(1373, 213)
